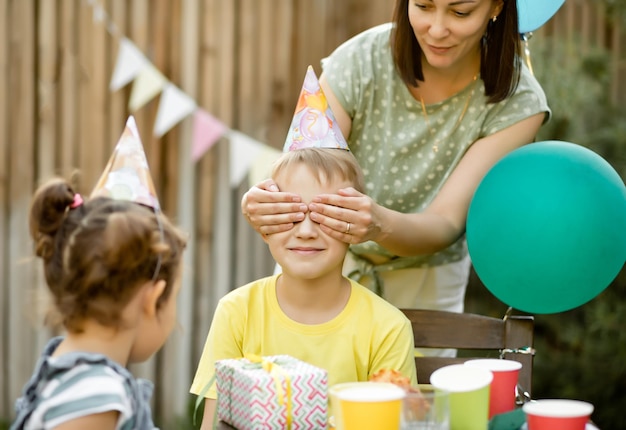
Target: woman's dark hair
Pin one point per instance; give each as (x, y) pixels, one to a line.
(500, 51)
(98, 254)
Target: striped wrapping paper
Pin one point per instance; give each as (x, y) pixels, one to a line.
(262, 393)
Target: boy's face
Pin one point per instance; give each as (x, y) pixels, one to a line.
(305, 251)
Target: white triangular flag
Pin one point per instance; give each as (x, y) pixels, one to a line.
(146, 86)
(243, 150)
(130, 62)
(174, 105)
(262, 165)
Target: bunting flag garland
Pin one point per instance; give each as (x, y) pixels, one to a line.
(146, 86)
(247, 155)
(243, 151)
(173, 107)
(262, 166)
(130, 62)
(206, 131)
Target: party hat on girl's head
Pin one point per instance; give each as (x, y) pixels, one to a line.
(313, 123)
(126, 175)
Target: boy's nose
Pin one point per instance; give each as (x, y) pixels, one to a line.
(307, 227)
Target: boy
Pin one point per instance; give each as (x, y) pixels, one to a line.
(309, 311)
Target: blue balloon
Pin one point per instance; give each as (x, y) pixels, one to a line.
(546, 228)
(532, 14)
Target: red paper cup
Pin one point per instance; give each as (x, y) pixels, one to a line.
(505, 376)
(557, 414)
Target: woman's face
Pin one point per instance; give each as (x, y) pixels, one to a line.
(450, 31)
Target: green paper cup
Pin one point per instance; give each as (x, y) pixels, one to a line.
(469, 395)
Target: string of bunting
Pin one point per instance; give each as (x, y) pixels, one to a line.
(247, 155)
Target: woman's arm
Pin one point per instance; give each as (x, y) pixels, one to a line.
(442, 222)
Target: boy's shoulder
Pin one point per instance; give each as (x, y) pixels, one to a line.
(254, 290)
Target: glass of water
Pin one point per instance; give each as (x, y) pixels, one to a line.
(426, 408)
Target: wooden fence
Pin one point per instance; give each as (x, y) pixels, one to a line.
(241, 60)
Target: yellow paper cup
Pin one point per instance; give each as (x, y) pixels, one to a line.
(366, 405)
(469, 395)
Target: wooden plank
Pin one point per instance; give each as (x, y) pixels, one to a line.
(248, 67)
(283, 100)
(160, 36)
(68, 104)
(23, 351)
(90, 169)
(5, 30)
(616, 57)
(98, 83)
(117, 100)
(208, 99)
(177, 371)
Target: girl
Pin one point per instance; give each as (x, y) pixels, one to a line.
(113, 268)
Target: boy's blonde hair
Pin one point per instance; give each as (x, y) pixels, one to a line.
(327, 164)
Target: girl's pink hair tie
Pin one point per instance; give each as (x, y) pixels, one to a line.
(78, 200)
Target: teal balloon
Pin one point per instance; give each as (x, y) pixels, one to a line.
(546, 228)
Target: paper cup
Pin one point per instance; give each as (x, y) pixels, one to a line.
(469, 394)
(363, 405)
(557, 414)
(505, 377)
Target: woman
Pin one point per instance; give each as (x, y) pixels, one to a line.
(428, 105)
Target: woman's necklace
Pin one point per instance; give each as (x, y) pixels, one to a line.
(458, 121)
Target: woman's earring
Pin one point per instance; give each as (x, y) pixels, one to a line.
(494, 18)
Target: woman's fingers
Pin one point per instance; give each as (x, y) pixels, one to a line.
(346, 216)
(271, 211)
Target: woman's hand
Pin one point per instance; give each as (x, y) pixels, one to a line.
(349, 216)
(269, 210)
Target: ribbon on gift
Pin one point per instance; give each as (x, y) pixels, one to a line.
(276, 371)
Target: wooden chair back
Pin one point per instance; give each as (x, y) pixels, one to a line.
(510, 338)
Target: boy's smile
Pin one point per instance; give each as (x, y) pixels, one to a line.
(305, 252)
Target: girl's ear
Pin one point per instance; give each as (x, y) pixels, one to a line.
(154, 290)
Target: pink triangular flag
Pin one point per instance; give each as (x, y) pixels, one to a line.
(206, 131)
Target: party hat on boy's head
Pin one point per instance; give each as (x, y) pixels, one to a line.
(313, 123)
(126, 175)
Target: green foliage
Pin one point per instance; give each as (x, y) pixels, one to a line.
(580, 353)
(578, 91)
(186, 421)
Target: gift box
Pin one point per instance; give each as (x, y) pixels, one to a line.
(271, 393)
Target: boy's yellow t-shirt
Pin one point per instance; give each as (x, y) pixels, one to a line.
(368, 335)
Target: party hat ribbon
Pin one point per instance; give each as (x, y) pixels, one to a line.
(313, 123)
(126, 175)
